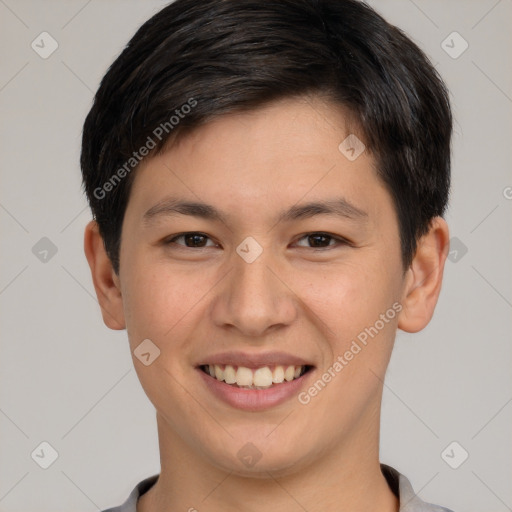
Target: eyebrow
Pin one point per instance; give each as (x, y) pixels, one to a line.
(338, 207)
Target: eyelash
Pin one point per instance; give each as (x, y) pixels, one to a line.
(340, 241)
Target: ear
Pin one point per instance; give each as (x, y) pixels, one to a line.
(424, 278)
(106, 282)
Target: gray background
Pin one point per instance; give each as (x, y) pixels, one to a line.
(68, 380)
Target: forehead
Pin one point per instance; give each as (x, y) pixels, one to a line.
(286, 153)
(289, 130)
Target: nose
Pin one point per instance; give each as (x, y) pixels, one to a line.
(255, 297)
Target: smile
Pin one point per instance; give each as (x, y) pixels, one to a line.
(255, 378)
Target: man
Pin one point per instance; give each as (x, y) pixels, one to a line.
(267, 209)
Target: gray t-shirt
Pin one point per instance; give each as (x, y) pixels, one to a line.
(399, 484)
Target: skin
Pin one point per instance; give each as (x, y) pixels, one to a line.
(196, 301)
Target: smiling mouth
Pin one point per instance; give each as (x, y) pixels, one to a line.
(263, 377)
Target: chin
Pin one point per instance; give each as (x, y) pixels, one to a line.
(252, 462)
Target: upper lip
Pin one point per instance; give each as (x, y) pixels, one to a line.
(255, 360)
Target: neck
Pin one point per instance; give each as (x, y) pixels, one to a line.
(348, 478)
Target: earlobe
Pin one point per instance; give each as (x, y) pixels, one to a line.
(424, 278)
(106, 282)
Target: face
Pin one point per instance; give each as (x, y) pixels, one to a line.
(260, 280)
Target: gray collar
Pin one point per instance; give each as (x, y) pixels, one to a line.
(398, 483)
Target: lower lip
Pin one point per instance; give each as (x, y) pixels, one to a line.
(254, 399)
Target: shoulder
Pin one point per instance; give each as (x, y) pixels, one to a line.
(409, 500)
(130, 504)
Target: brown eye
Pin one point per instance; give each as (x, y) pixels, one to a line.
(323, 240)
(192, 240)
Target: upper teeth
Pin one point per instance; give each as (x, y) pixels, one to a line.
(262, 377)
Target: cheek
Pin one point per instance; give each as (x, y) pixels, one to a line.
(158, 301)
(162, 305)
(350, 296)
(350, 303)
